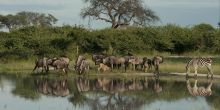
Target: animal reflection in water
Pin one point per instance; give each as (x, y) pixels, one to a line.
(115, 91)
(56, 87)
(117, 85)
(196, 90)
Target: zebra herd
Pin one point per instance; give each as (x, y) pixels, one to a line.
(105, 63)
(111, 62)
(61, 63)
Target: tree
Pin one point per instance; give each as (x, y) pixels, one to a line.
(25, 19)
(8, 21)
(119, 12)
(204, 34)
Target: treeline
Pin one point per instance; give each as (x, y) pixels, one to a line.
(34, 41)
(26, 19)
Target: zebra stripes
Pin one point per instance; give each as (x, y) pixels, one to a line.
(199, 63)
(196, 90)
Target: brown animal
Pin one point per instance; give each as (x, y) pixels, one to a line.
(78, 63)
(103, 67)
(43, 63)
(96, 58)
(147, 64)
(120, 61)
(84, 67)
(127, 58)
(58, 87)
(110, 61)
(136, 62)
(67, 60)
(60, 65)
(156, 61)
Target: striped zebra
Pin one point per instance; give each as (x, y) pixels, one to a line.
(199, 90)
(156, 61)
(199, 62)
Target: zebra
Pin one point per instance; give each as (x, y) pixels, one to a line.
(136, 61)
(81, 65)
(156, 61)
(84, 67)
(199, 62)
(42, 62)
(201, 90)
(146, 64)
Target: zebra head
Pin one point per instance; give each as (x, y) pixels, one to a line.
(208, 60)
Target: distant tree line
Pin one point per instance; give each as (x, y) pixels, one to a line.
(32, 41)
(26, 19)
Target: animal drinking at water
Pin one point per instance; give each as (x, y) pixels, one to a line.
(199, 62)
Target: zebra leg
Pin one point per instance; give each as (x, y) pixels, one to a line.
(145, 69)
(118, 65)
(65, 70)
(157, 69)
(136, 67)
(126, 65)
(156, 72)
(133, 65)
(87, 69)
(42, 70)
(195, 85)
(112, 66)
(48, 69)
(208, 88)
(209, 72)
(187, 72)
(149, 66)
(195, 75)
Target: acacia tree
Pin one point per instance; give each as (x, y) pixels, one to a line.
(24, 19)
(119, 12)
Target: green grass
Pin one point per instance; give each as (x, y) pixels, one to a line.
(180, 68)
(26, 67)
(17, 66)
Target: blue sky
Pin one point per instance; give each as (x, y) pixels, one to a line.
(181, 12)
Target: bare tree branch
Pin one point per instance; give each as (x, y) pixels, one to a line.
(119, 12)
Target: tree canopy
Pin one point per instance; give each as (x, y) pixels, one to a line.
(24, 19)
(29, 42)
(119, 12)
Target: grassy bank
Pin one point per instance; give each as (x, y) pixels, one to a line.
(169, 66)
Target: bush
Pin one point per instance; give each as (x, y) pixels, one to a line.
(56, 41)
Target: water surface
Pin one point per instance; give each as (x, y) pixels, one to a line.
(101, 93)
